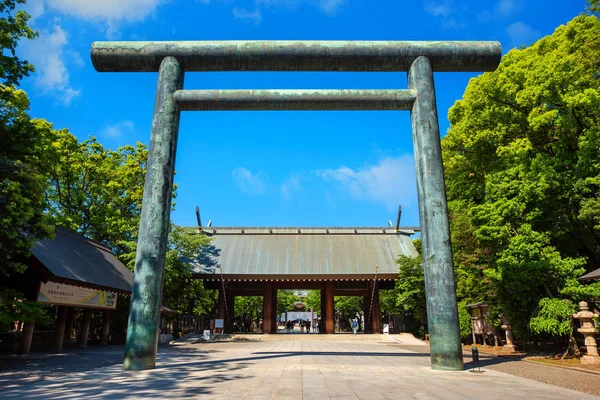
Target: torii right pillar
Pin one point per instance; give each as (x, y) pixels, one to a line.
(440, 288)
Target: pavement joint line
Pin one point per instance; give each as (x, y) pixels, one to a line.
(280, 376)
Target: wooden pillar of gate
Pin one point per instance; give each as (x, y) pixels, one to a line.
(221, 307)
(367, 312)
(371, 309)
(274, 308)
(230, 298)
(375, 312)
(226, 310)
(323, 311)
(329, 313)
(268, 308)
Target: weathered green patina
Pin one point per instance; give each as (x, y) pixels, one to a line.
(419, 59)
(440, 291)
(277, 55)
(213, 100)
(146, 295)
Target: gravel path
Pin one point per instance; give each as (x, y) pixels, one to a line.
(566, 378)
(570, 379)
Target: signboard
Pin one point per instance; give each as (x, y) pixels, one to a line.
(296, 315)
(206, 335)
(69, 295)
(219, 323)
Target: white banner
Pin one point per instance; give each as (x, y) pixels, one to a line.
(295, 315)
(69, 295)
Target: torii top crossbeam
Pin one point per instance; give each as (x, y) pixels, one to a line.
(357, 56)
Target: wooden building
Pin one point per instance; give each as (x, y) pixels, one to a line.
(75, 274)
(347, 261)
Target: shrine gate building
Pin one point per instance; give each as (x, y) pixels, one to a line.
(338, 261)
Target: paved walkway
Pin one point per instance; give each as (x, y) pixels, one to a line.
(289, 369)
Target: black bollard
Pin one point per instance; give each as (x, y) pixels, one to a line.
(475, 352)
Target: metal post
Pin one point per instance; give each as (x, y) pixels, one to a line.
(146, 297)
(440, 290)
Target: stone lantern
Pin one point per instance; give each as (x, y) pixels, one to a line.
(588, 330)
(507, 326)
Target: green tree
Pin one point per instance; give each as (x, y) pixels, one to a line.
(347, 308)
(94, 191)
(21, 207)
(285, 300)
(523, 177)
(98, 193)
(13, 28)
(22, 220)
(410, 292)
(248, 309)
(181, 292)
(313, 301)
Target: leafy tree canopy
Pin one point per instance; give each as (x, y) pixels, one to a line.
(523, 177)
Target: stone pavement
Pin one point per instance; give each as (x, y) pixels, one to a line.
(289, 369)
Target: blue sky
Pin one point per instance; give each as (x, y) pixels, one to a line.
(268, 168)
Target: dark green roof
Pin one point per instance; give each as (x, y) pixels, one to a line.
(304, 252)
(73, 259)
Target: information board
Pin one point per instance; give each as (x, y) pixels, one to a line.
(70, 295)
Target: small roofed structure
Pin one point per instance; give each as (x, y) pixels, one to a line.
(73, 259)
(591, 276)
(71, 271)
(339, 261)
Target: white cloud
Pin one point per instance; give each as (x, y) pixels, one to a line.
(519, 33)
(391, 182)
(50, 53)
(119, 129)
(505, 7)
(35, 8)
(49, 56)
(289, 186)
(439, 8)
(106, 10)
(255, 17)
(248, 182)
(109, 12)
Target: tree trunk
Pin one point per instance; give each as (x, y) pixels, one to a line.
(572, 347)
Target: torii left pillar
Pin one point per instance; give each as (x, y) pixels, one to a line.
(146, 294)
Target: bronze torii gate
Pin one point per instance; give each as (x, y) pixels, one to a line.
(171, 59)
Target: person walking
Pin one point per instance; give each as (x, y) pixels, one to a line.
(307, 326)
(354, 325)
